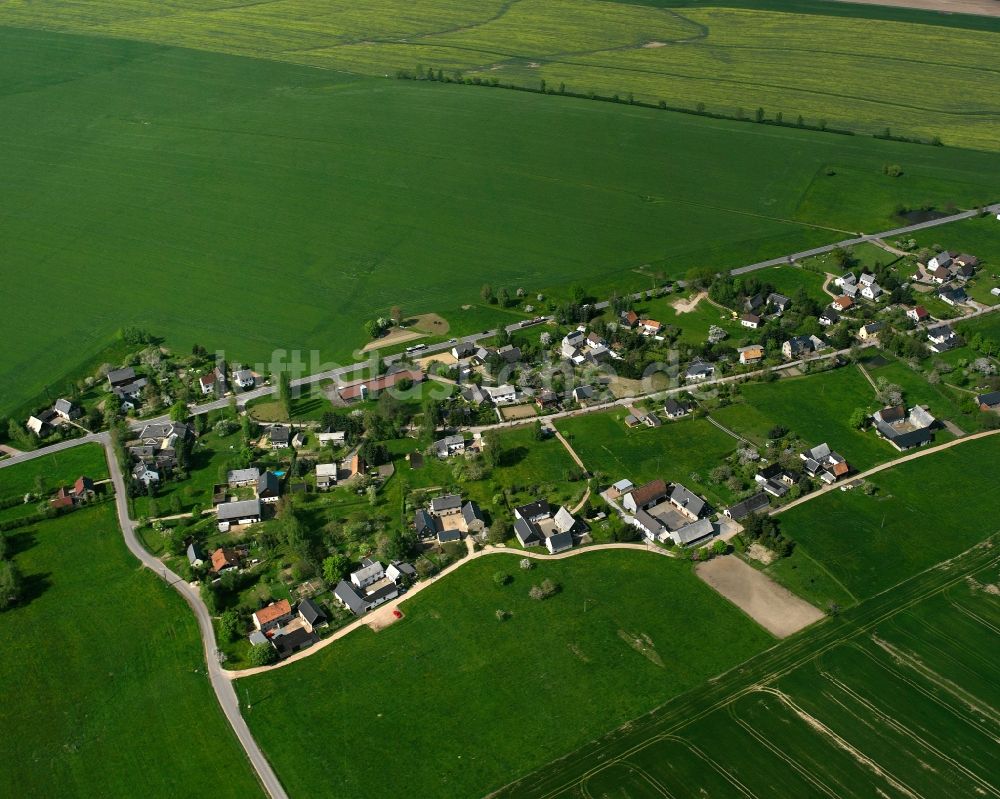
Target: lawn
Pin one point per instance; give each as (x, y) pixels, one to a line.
(684, 451)
(331, 187)
(816, 408)
(925, 511)
(988, 326)
(111, 686)
(731, 60)
(464, 687)
(46, 474)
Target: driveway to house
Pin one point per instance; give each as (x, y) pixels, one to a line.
(921, 453)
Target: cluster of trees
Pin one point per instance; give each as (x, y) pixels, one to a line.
(544, 589)
(764, 529)
(11, 582)
(716, 548)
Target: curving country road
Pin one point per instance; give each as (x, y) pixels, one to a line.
(224, 691)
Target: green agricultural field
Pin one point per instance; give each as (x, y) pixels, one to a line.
(684, 451)
(895, 698)
(728, 60)
(868, 543)
(271, 206)
(452, 690)
(46, 474)
(987, 326)
(111, 686)
(816, 408)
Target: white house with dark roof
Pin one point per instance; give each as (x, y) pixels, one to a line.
(244, 379)
(699, 371)
(65, 409)
(687, 502)
(245, 511)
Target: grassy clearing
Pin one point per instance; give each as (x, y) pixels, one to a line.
(97, 123)
(550, 663)
(52, 471)
(110, 658)
(818, 66)
(684, 451)
(817, 408)
(869, 543)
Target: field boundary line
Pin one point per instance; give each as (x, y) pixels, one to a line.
(828, 573)
(712, 764)
(974, 616)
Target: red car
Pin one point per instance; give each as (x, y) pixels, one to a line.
(396, 614)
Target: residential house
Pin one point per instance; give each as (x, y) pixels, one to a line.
(824, 464)
(268, 487)
(687, 502)
(917, 313)
(699, 371)
(502, 395)
(63, 499)
(243, 477)
(628, 318)
(336, 438)
(964, 259)
(750, 320)
(40, 422)
(195, 555)
(775, 480)
(472, 517)
(797, 346)
(446, 505)
(650, 327)
(509, 353)
(621, 487)
(546, 398)
(779, 302)
(869, 331)
(989, 401)
(753, 304)
(369, 389)
(288, 642)
(245, 511)
(645, 496)
(675, 410)
(326, 476)
(537, 524)
(693, 533)
(752, 353)
(214, 382)
(954, 297)
(359, 600)
(904, 430)
(830, 316)
(942, 338)
(312, 615)
(754, 504)
(84, 489)
(274, 615)
(65, 409)
(652, 420)
(280, 436)
(121, 377)
(842, 303)
(401, 573)
(583, 393)
(871, 291)
(225, 559)
(846, 279)
(463, 350)
(371, 571)
(426, 524)
(145, 473)
(244, 379)
(941, 259)
(449, 445)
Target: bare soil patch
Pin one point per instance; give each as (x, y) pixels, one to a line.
(445, 358)
(429, 323)
(760, 553)
(653, 45)
(394, 336)
(686, 306)
(518, 412)
(983, 8)
(772, 606)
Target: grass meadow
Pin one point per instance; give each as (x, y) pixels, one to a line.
(246, 205)
(469, 687)
(925, 511)
(50, 472)
(108, 685)
(684, 451)
(728, 59)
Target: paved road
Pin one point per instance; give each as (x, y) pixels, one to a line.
(993, 209)
(224, 690)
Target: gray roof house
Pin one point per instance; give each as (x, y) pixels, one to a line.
(675, 410)
(527, 533)
(446, 505)
(268, 487)
(754, 504)
(693, 533)
(473, 517)
(559, 542)
(66, 409)
(371, 571)
(195, 554)
(449, 445)
(686, 501)
(904, 430)
(311, 614)
(243, 477)
(539, 509)
(280, 436)
(426, 524)
(245, 511)
(699, 371)
(121, 377)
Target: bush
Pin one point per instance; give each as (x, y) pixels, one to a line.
(262, 655)
(544, 590)
(502, 578)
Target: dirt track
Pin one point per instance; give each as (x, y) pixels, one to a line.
(772, 606)
(983, 8)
